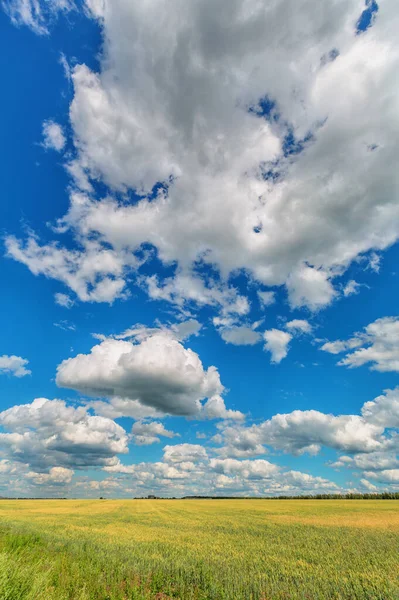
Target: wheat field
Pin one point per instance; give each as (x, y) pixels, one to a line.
(198, 549)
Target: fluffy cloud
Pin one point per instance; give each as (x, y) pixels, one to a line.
(386, 476)
(145, 434)
(378, 346)
(14, 365)
(55, 476)
(264, 168)
(383, 410)
(157, 372)
(369, 436)
(277, 344)
(53, 136)
(49, 433)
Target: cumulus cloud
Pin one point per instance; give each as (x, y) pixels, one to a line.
(263, 168)
(14, 365)
(158, 372)
(383, 410)
(370, 437)
(299, 326)
(55, 476)
(145, 434)
(49, 433)
(378, 346)
(53, 136)
(385, 476)
(277, 344)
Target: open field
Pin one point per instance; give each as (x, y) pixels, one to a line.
(198, 549)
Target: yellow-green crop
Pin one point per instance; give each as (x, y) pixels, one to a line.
(198, 549)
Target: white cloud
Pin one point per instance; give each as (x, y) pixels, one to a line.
(55, 476)
(191, 116)
(14, 365)
(63, 300)
(241, 336)
(158, 372)
(266, 298)
(370, 436)
(352, 288)
(49, 433)
(35, 13)
(383, 410)
(386, 476)
(184, 452)
(145, 434)
(53, 136)
(377, 345)
(299, 326)
(277, 344)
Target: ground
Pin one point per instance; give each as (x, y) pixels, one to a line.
(198, 549)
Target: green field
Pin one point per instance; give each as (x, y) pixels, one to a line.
(199, 549)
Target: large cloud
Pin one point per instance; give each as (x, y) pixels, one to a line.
(159, 372)
(372, 432)
(49, 433)
(267, 168)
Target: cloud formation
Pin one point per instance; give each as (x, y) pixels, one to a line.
(239, 161)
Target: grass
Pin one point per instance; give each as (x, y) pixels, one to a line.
(198, 549)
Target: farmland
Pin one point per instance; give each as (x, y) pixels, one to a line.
(198, 549)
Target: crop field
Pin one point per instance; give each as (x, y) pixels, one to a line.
(198, 549)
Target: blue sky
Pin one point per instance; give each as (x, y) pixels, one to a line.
(199, 286)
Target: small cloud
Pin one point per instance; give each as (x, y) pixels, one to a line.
(14, 365)
(53, 135)
(266, 298)
(352, 288)
(65, 325)
(299, 326)
(277, 344)
(63, 300)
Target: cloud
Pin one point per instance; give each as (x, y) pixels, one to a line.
(241, 336)
(266, 298)
(63, 300)
(55, 476)
(378, 346)
(185, 452)
(299, 326)
(14, 365)
(49, 433)
(35, 14)
(386, 476)
(370, 437)
(383, 410)
(53, 136)
(157, 372)
(277, 344)
(352, 288)
(263, 169)
(145, 434)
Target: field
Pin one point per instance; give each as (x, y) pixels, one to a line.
(199, 549)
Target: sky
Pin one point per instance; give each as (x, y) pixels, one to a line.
(199, 227)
